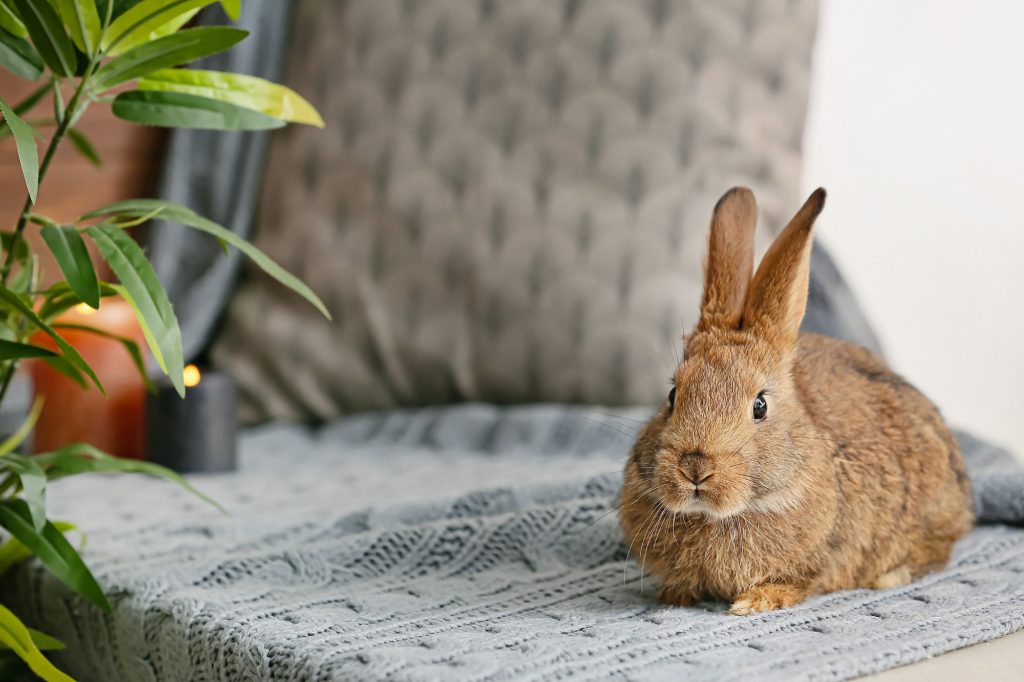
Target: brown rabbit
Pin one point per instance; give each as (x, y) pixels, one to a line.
(786, 464)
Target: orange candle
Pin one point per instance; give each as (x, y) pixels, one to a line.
(72, 414)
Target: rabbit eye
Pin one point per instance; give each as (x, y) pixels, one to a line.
(671, 399)
(760, 407)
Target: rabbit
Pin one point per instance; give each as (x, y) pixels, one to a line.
(785, 464)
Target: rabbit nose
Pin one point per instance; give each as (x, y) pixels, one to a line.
(695, 468)
(697, 482)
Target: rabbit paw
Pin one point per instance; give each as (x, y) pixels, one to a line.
(766, 597)
(898, 577)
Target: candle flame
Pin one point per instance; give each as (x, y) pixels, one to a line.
(84, 309)
(192, 376)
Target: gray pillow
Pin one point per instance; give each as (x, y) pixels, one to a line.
(832, 309)
(510, 200)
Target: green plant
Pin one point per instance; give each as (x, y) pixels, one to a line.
(93, 49)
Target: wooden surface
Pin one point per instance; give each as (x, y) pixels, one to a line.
(130, 154)
(1001, 660)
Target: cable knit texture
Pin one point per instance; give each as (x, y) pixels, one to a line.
(510, 200)
(371, 550)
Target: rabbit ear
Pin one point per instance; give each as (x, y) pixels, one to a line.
(778, 293)
(730, 261)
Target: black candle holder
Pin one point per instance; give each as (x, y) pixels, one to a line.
(197, 433)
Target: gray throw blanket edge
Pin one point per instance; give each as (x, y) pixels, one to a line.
(939, 624)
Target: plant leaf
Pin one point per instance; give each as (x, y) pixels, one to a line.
(250, 92)
(68, 354)
(58, 102)
(7, 238)
(19, 57)
(18, 437)
(68, 248)
(12, 350)
(15, 636)
(135, 222)
(84, 147)
(147, 331)
(27, 277)
(11, 22)
(177, 48)
(12, 551)
(64, 367)
(54, 550)
(135, 26)
(178, 110)
(233, 8)
(33, 486)
(45, 642)
(59, 297)
(28, 153)
(84, 458)
(115, 7)
(167, 29)
(146, 295)
(48, 36)
(83, 22)
(133, 348)
(186, 216)
(40, 220)
(33, 98)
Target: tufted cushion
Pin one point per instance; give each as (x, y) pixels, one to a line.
(510, 200)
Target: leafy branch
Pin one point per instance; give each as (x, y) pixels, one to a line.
(129, 54)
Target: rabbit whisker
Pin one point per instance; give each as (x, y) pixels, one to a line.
(629, 550)
(630, 436)
(616, 508)
(620, 416)
(653, 533)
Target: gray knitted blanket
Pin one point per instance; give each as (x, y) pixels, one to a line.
(464, 543)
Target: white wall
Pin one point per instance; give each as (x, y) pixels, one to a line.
(916, 128)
